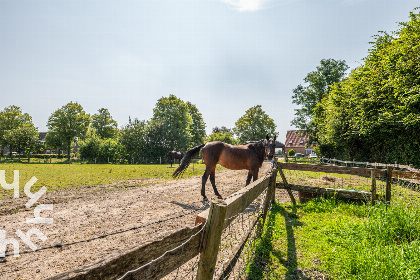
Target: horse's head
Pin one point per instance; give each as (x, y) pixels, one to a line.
(270, 147)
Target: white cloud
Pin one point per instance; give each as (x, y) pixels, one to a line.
(246, 5)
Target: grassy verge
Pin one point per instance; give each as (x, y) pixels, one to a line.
(328, 237)
(62, 176)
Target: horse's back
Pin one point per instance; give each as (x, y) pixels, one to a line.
(228, 156)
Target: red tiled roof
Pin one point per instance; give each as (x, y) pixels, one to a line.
(294, 140)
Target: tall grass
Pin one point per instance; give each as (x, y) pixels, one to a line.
(344, 241)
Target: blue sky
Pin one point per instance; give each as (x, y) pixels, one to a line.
(224, 56)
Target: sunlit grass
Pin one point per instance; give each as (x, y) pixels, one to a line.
(340, 240)
(64, 176)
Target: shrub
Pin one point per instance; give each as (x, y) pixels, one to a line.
(291, 152)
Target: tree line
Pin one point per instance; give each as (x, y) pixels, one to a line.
(373, 113)
(175, 125)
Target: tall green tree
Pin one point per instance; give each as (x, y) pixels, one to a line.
(132, 138)
(103, 123)
(318, 82)
(225, 137)
(17, 130)
(68, 123)
(374, 115)
(54, 142)
(173, 115)
(22, 139)
(198, 126)
(254, 125)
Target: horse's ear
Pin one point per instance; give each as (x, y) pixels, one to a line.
(267, 137)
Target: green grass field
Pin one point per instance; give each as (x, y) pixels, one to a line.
(64, 176)
(341, 240)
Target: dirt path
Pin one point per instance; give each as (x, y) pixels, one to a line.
(93, 211)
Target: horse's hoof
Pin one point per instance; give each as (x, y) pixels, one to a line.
(219, 196)
(205, 199)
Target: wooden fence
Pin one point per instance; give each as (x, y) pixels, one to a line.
(374, 171)
(157, 259)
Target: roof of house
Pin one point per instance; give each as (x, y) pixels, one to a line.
(293, 139)
(41, 136)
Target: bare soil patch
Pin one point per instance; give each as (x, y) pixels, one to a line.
(88, 212)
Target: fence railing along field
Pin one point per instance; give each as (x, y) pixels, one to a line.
(390, 174)
(246, 209)
(214, 247)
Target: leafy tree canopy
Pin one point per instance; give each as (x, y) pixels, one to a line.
(103, 123)
(374, 115)
(254, 125)
(198, 126)
(17, 130)
(68, 123)
(172, 114)
(225, 137)
(329, 71)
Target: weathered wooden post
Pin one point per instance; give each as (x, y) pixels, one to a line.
(388, 184)
(286, 185)
(373, 190)
(212, 237)
(275, 169)
(269, 197)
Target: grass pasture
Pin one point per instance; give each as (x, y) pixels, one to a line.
(336, 239)
(64, 176)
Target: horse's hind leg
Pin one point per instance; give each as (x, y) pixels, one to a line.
(203, 183)
(213, 183)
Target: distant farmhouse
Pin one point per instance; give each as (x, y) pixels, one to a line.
(297, 143)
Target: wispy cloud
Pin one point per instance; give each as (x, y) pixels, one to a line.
(247, 5)
(256, 5)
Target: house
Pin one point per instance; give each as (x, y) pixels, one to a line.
(297, 142)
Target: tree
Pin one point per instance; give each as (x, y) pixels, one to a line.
(223, 137)
(198, 126)
(17, 130)
(68, 123)
(103, 123)
(173, 116)
(254, 125)
(22, 139)
(374, 114)
(319, 81)
(54, 142)
(132, 138)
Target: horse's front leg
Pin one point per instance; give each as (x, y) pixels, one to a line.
(255, 174)
(213, 183)
(248, 179)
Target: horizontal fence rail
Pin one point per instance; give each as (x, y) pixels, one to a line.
(366, 172)
(115, 265)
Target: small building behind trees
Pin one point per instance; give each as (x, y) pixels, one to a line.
(296, 141)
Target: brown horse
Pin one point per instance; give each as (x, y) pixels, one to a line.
(174, 155)
(249, 156)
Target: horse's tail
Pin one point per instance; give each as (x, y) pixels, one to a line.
(185, 162)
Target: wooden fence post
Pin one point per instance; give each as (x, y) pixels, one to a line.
(388, 184)
(212, 236)
(271, 190)
(286, 185)
(373, 177)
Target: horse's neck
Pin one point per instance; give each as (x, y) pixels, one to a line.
(260, 153)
